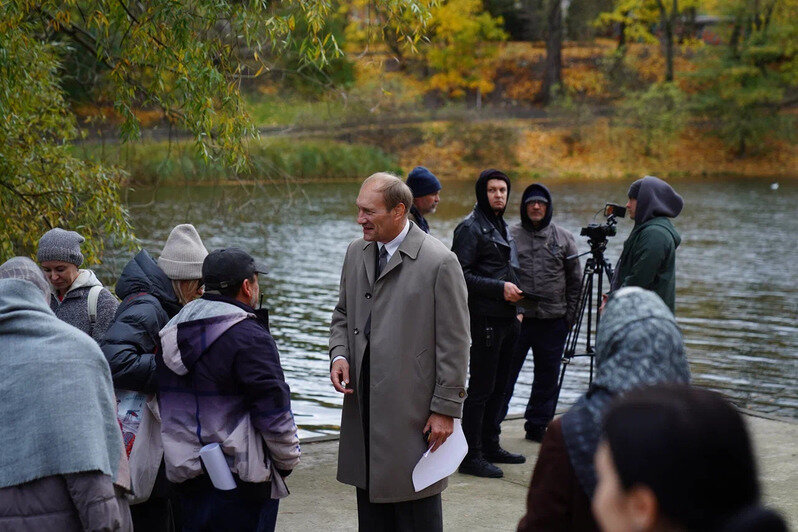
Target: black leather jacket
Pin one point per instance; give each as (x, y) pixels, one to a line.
(488, 261)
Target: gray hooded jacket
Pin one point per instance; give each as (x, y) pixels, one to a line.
(545, 271)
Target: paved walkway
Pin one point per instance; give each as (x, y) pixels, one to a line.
(320, 503)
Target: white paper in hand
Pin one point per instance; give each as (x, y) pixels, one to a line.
(438, 465)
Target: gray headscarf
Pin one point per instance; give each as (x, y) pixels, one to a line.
(638, 344)
(25, 269)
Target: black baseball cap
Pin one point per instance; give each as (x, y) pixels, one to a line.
(223, 268)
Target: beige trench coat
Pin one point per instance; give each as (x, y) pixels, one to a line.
(418, 358)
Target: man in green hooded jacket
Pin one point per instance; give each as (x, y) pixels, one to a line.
(648, 259)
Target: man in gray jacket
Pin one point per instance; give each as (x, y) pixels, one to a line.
(550, 278)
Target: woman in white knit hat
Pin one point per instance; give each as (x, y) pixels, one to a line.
(152, 293)
(77, 296)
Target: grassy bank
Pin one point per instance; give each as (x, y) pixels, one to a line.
(531, 149)
(548, 149)
(152, 163)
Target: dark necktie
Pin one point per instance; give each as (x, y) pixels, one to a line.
(383, 260)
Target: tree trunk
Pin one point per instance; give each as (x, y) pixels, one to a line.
(667, 35)
(622, 35)
(552, 76)
(734, 40)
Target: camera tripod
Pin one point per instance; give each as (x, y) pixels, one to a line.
(587, 313)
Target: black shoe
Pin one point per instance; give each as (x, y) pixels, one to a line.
(535, 433)
(501, 456)
(479, 467)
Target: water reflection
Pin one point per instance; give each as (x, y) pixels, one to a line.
(737, 300)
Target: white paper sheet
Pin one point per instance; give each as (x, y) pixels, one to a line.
(433, 467)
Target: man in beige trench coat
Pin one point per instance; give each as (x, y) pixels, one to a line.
(399, 342)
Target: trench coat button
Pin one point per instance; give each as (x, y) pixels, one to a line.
(461, 394)
(368, 295)
(356, 331)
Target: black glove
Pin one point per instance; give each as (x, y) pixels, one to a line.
(284, 472)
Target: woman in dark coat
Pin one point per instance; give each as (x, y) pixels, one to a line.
(152, 293)
(638, 344)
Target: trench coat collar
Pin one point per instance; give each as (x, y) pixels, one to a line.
(409, 246)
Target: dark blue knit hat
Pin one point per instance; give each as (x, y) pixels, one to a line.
(422, 182)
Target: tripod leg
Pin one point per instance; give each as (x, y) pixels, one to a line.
(565, 362)
(585, 299)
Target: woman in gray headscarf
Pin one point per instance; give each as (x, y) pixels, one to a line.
(638, 344)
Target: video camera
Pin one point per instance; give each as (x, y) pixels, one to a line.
(600, 232)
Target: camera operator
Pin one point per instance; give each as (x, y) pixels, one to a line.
(551, 282)
(648, 259)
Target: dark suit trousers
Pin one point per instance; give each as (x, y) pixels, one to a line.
(419, 515)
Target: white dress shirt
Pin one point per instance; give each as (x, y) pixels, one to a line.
(391, 247)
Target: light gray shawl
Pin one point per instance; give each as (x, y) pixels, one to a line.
(57, 403)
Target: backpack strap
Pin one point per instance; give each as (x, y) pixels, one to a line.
(94, 295)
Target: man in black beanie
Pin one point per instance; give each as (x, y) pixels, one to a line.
(486, 251)
(648, 259)
(426, 195)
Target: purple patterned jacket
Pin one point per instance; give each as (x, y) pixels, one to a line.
(220, 381)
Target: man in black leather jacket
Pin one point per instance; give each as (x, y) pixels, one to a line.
(487, 253)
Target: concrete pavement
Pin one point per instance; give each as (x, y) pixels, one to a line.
(319, 502)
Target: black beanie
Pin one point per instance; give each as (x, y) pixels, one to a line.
(422, 182)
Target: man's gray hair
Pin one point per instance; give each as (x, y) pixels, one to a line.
(394, 190)
(25, 269)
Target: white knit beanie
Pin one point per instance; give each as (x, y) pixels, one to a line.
(183, 254)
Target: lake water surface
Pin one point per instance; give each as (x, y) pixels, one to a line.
(737, 299)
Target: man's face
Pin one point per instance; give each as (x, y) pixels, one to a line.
(255, 293)
(536, 211)
(497, 195)
(378, 223)
(631, 207)
(427, 204)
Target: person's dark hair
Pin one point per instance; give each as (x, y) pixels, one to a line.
(232, 291)
(692, 449)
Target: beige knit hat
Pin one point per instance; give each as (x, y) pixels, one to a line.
(183, 254)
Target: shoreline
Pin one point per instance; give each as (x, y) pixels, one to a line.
(720, 176)
(319, 501)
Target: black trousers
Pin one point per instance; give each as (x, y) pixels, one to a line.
(421, 515)
(546, 337)
(492, 341)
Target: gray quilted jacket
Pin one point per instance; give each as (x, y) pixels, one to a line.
(75, 502)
